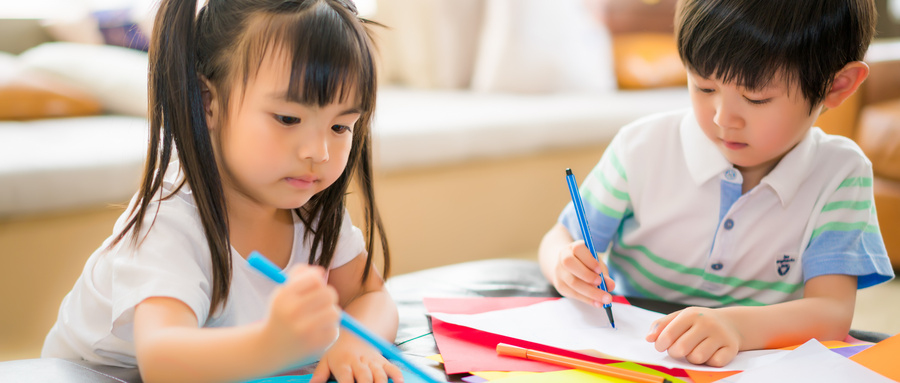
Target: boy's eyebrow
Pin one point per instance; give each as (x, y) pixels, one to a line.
(283, 96)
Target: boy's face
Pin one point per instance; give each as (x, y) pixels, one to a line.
(752, 129)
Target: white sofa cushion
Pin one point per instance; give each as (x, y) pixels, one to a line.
(67, 163)
(59, 164)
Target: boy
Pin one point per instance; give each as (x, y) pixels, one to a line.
(738, 203)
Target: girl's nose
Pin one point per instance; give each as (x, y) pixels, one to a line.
(314, 146)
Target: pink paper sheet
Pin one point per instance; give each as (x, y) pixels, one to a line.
(464, 349)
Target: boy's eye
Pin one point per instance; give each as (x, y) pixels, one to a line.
(340, 128)
(287, 120)
(758, 102)
(705, 90)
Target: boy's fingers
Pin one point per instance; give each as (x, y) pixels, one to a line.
(660, 324)
(670, 330)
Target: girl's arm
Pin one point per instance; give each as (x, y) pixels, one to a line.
(714, 336)
(350, 357)
(170, 347)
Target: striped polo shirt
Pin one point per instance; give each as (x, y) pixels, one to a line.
(668, 206)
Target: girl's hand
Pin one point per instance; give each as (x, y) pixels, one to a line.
(303, 314)
(351, 359)
(577, 275)
(700, 335)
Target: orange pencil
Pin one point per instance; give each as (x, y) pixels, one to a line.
(559, 360)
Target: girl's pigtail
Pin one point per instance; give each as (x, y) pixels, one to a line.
(177, 119)
(373, 218)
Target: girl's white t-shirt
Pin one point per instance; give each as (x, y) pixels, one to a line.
(96, 318)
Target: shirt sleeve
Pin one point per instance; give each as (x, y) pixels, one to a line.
(172, 260)
(845, 238)
(605, 198)
(350, 243)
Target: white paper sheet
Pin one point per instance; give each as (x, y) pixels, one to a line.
(811, 362)
(572, 325)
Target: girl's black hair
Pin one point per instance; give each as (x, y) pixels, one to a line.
(331, 55)
(747, 42)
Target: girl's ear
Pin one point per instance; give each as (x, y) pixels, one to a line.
(846, 81)
(210, 102)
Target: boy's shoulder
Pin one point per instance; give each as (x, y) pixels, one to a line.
(838, 150)
(652, 133)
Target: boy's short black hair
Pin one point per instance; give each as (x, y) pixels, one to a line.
(746, 42)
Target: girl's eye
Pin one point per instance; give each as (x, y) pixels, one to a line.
(340, 128)
(287, 120)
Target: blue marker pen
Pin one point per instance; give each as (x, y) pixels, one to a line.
(261, 263)
(586, 233)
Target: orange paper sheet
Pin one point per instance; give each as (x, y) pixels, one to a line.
(882, 358)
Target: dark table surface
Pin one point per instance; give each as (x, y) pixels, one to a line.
(488, 278)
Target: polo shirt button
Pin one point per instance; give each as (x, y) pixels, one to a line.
(716, 266)
(730, 174)
(729, 224)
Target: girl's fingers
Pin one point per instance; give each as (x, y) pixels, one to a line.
(393, 372)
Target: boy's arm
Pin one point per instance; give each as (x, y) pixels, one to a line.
(351, 358)
(571, 269)
(170, 347)
(714, 336)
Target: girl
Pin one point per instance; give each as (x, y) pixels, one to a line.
(267, 105)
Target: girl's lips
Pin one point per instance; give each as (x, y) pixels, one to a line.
(734, 145)
(305, 182)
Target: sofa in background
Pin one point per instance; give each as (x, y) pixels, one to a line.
(461, 174)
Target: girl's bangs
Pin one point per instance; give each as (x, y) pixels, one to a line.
(330, 60)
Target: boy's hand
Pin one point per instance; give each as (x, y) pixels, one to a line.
(352, 360)
(700, 335)
(303, 314)
(577, 275)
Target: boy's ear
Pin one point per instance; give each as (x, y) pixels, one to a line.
(846, 81)
(210, 104)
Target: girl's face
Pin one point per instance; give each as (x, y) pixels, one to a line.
(752, 129)
(279, 153)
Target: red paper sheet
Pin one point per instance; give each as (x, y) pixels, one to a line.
(465, 349)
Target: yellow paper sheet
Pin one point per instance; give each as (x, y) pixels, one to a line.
(497, 375)
(564, 376)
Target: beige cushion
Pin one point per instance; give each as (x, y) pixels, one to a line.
(428, 43)
(114, 75)
(538, 46)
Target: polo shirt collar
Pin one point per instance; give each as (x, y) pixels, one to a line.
(704, 161)
(787, 177)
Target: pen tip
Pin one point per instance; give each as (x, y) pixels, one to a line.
(568, 171)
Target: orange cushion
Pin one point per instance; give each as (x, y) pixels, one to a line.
(28, 95)
(647, 60)
(878, 135)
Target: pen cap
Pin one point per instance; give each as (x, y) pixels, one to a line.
(510, 350)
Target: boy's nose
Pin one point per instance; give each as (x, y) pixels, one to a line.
(727, 116)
